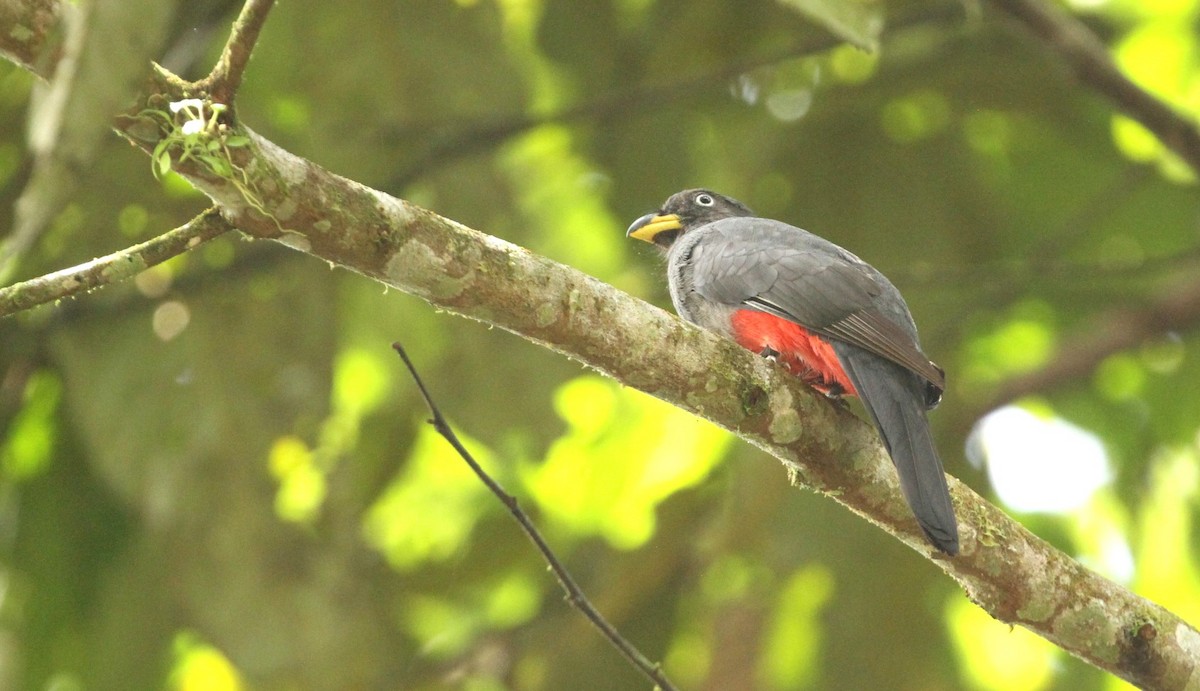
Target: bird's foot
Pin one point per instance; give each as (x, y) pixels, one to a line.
(770, 354)
(838, 400)
(832, 390)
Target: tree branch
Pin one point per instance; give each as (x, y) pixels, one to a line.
(1012, 574)
(113, 268)
(575, 595)
(470, 137)
(226, 77)
(1177, 308)
(1088, 58)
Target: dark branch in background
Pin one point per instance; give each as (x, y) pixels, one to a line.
(1009, 279)
(226, 77)
(1089, 60)
(472, 137)
(1177, 309)
(113, 268)
(575, 596)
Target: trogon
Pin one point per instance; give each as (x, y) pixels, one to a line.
(827, 316)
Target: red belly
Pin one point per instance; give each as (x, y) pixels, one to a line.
(805, 354)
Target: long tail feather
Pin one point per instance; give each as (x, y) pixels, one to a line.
(895, 400)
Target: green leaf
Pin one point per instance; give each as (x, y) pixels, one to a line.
(162, 159)
(218, 165)
(28, 447)
(108, 45)
(858, 21)
(623, 454)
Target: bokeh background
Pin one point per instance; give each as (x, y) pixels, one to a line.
(219, 477)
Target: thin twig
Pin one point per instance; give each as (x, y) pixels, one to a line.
(575, 596)
(226, 77)
(1014, 576)
(112, 268)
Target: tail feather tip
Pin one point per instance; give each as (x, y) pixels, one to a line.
(945, 541)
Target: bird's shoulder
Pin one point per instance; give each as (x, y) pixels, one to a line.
(737, 258)
(766, 232)
(777, 268)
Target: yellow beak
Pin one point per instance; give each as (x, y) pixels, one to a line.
(650, 225)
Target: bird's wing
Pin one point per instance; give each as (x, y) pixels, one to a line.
(788, 272)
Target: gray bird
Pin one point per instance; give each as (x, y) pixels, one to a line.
(823, 313)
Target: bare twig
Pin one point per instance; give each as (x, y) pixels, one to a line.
(112, 268)
(222, 83)
(1006, 570)
(575, 596)
(1089, 60)
(1003, 568)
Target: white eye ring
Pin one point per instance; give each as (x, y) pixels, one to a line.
(705, 200)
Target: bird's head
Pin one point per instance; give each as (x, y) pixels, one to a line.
(682, 212)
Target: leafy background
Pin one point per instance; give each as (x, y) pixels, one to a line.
(219, 477)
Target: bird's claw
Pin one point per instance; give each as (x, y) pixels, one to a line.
(770, 354)
(837, 399)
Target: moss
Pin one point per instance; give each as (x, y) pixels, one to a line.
(295, 240)
(547, 314)
(1090, 627)
(21, 33)
(989, 534)
(754, 400)
(119, 271)
(1040, 608)
(285, 209)
(786, 426)
(413, 259)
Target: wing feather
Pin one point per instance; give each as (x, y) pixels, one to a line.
(782, 270)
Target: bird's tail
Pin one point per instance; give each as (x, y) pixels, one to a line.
(894, 398)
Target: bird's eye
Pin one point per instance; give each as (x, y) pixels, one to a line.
(705, 199)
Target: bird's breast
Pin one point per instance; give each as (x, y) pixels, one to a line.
(691, 305)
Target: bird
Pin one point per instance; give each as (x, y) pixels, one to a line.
(822, 313)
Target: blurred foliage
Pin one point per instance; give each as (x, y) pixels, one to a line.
(198, 666)
(219, 477)
(622, 454)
